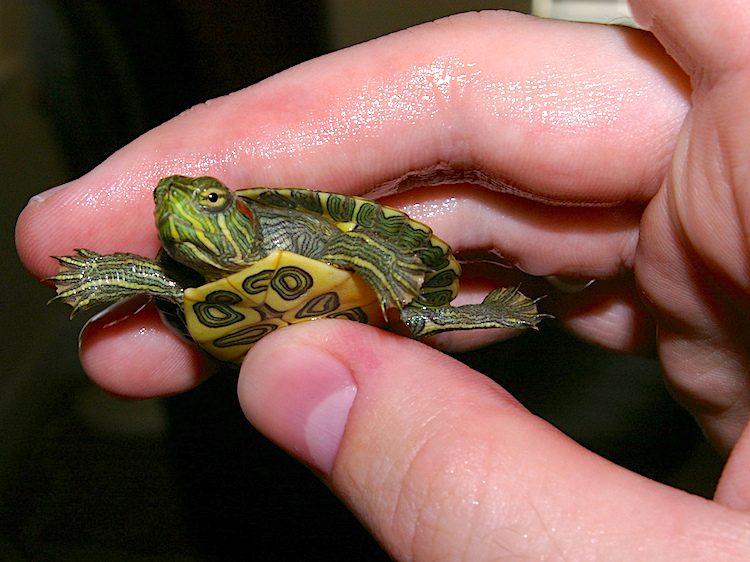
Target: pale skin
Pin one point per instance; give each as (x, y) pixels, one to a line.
(439, 462)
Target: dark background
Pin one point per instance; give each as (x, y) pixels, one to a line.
(85, 476)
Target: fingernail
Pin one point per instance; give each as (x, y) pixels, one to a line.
(642, 15)
(117, 312)
(41, 197)
(569, 284)
(113, 315)
(325, 426)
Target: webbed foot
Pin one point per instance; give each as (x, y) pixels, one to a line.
(502, 308)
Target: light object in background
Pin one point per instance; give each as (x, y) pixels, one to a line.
(597, 11)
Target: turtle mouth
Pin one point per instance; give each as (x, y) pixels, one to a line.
(175, 228)
(185, 242)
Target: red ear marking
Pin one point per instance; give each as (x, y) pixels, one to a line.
(244, 209)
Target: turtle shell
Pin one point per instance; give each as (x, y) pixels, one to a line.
(349, 213)
(228, 316)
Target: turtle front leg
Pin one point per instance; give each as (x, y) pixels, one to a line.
(89, 279)
(502, 308)
(395, 275)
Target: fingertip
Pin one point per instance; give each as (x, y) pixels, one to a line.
(642, 13)
(698, 37)
(128, 351)
(608, 313)
(378, 415)
(298, 394)
(300, 385)
(30, 243)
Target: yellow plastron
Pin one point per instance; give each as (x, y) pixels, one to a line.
(228, 316)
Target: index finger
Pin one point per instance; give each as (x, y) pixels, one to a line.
(554, 111)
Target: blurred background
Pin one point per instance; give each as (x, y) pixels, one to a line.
(86, 476)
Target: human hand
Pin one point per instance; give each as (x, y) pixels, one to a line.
(435, 459)
(456, 112)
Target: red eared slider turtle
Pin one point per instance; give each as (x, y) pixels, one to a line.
(239, 265)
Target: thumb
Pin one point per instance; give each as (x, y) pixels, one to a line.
(441, 463)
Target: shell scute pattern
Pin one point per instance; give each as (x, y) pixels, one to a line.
(226, 317)
(356, 213)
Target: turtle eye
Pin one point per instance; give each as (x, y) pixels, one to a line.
(214, 199)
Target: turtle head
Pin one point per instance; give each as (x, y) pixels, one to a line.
(205, 226)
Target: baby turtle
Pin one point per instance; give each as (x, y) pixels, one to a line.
(239, 265)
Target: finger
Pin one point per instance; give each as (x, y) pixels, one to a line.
(419, 107)
(607, 313)
(705, 38)
(127, 351)
(582, 243)
(733, 489)
(537, 239)
(693, 261)
(440, 463)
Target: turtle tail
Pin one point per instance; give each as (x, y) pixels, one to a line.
(502, 308)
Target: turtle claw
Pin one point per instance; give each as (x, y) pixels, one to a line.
(74, 281)
(402, 286)
(516, 309)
